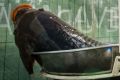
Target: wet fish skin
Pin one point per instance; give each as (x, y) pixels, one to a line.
(50, 33)
(61, 32)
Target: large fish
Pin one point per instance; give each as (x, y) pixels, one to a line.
(59, 32)
(39, 30)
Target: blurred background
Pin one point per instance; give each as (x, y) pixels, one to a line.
(99, 19)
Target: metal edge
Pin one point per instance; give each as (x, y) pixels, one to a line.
(74, 50)
(79, 77)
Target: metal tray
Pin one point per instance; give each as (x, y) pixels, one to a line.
(84, 61)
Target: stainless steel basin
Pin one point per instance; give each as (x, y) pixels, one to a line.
(84, 61)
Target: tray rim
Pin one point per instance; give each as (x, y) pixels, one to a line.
(75, 50)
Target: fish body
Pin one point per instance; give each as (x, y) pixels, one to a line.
(40, 30)
(63, 34)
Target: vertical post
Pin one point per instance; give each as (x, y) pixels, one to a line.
(119, 22)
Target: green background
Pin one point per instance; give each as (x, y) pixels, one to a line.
(95, 18)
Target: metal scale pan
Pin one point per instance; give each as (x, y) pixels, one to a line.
(85, 63)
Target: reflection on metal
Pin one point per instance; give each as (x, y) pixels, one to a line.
(106, 63)
(115, 72)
